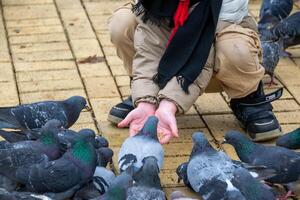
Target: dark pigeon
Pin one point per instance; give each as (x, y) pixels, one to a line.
(144, 144)
(74, 168)
(210, 172)
(288, 31)
(26, 153)
(285, 162)
(272, 12)
(290, 140)
(253, 190)
(147, 183)
(104, 156)
(36, 115)
(271, 53)
(119, 186)
(181, 172)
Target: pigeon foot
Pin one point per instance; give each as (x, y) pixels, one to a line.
(271, 82)
(288, 195)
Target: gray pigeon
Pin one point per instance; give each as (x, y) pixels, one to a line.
(272, 12)
(144, 144)
(210, 172)
(147, 183)
(26, 153)
(288, 32)
(285, 162)
(290, 140)
(73, 169)
(102, 180)
(119, 186)
(271, 53)
(36, 115)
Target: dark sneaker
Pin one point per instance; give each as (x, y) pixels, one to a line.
(254, 113)
(120, 111)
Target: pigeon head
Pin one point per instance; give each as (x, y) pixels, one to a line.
(104, 156)
(150, 128)
(87, 133)
(290, 140)
(147, 176)
(74, 105)
(181, 172)
(49, 133)
(201, 144)
(243, 146)
(101, 142)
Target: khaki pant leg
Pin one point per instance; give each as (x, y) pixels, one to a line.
(122, 25)
(238, 61)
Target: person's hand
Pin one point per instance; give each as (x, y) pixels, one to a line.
(137, 117)
(167, 125)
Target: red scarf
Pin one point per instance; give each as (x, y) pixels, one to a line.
(181, 15)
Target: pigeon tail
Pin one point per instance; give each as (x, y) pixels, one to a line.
(148, 174)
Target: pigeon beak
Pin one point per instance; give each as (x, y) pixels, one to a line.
(178, 180)
(88, 108)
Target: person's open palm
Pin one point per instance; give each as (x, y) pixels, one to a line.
(137, 117)
(167, 125)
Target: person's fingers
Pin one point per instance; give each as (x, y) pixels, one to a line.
(174, 129)
(133, 131)
(126, 121)
(166, 139)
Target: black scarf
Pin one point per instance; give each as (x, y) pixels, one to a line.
(189, 49)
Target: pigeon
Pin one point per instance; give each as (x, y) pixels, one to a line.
(101, 142)
(73, 169)
(147, 183)
(290, 140)
(287, 165)
(178, 195)
(181, 172)
(253, 190)
(119, 186)
(288, 31)
(210, 173)
(65, 136)
(144, 144)
(68, 137)
(104, 156)
(102, 180)
(26, 153)
(271, 52)
(36, 115)
(272, 12)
